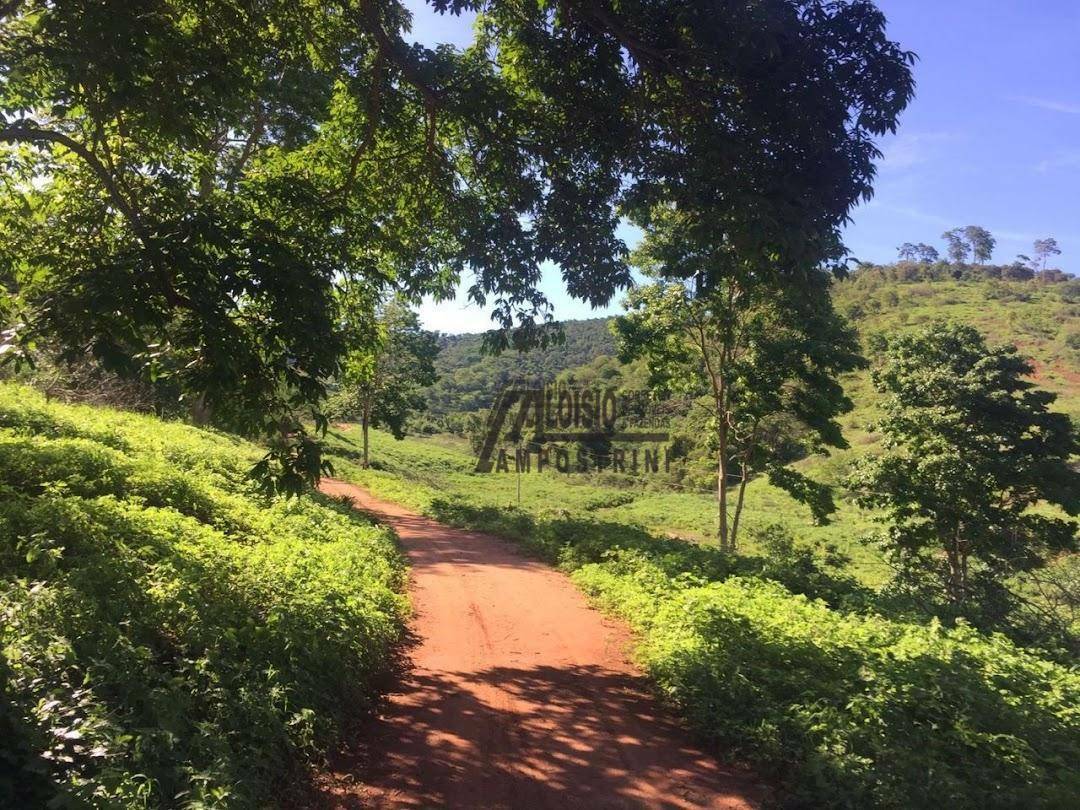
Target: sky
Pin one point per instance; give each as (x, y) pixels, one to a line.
(992, 137)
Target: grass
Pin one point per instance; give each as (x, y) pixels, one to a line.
(1035, 318)
(417, 471)
(169, 637)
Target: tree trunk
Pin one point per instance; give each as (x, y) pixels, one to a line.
(365, 419)
(721, 489)
(199, 411)
(957, 559)
(733, 539)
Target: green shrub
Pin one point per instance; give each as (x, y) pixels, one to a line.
(853, 711)
(167, 636)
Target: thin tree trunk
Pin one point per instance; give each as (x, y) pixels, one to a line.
(738, 508)
(721, 488)
(957, 583)
(199, 411)
(365, 419)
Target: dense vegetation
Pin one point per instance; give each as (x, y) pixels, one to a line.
(168, 637)
(190, 185)
(217, 204)
(778, 654)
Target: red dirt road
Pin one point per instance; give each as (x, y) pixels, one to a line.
(517, 695)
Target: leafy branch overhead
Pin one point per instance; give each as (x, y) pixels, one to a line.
(187, 184)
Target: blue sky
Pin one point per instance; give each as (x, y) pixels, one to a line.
(992, 137)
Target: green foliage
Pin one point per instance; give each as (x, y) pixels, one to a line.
(970, 447)
(1036, 314)
(468, 379)
(186, 184)
(853, 711)
(383, 378)
(169, 637)
(764, 356)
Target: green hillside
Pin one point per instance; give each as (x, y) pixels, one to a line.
(169, 637)
(469, 379)
(1041, 318)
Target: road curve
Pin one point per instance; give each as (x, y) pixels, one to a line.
(516, 694)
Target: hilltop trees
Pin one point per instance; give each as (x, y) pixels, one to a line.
(927, 254)
(1044, 249)
(981, 241)
(973, 240)
(970, 447)
(956, 246)
(921, 252)
(185, 185)
(760, 351)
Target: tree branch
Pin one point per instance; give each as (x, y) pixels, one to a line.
(390, 49)
(29, 132)
(20, 131)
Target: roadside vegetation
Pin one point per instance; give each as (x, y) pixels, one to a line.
(779, 654)
(168, 636)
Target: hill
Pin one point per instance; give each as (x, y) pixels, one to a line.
(169, 636)
(469, 379)
(1039, 314)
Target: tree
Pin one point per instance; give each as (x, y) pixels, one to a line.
(759, 350)
(1017, 272)
(956, 246)
(981, 242)
(185, 186)
(907, 252)
(384, 379)
(926, 253)
(1044, 249)
(970, 446)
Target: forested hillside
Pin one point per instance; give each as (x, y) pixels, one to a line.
(469, 379)
(1039, 313)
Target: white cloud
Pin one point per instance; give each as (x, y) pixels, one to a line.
(912, 148)
(1068, 107)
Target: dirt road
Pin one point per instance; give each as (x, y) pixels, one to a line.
(517, 695)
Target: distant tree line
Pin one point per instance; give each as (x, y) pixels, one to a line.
(977, 243)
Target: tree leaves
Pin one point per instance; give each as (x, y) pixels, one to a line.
(205, 175)
(972, 446)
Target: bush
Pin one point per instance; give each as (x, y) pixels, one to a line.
(169, 637)
(853, 711)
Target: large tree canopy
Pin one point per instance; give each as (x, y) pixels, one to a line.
(185, 182)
